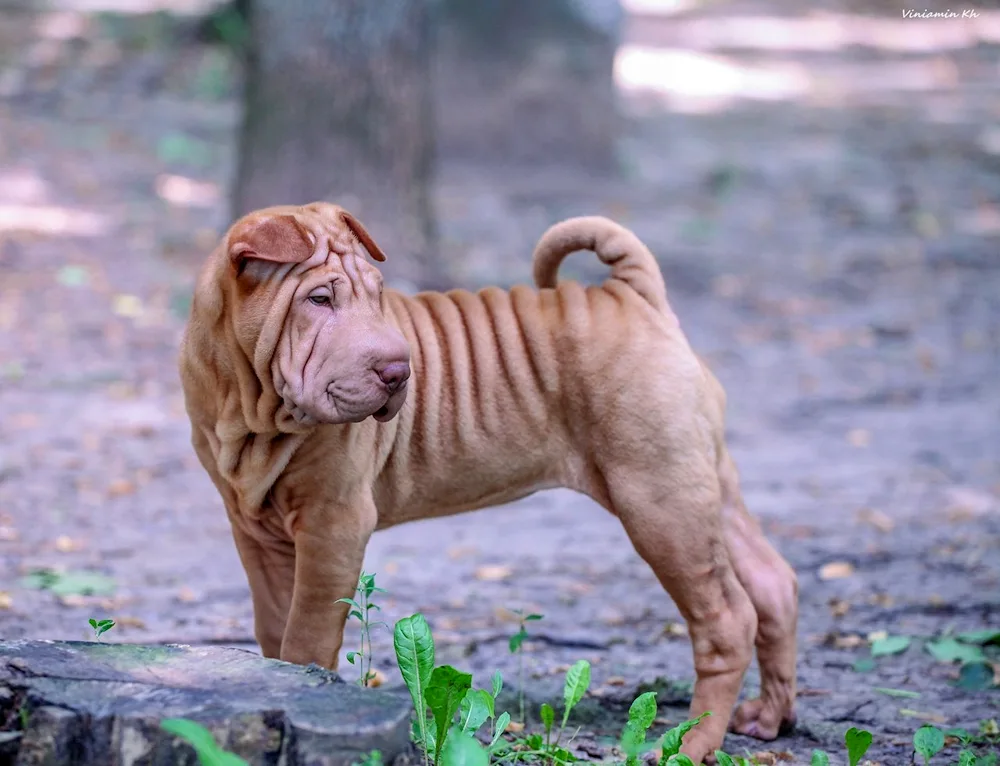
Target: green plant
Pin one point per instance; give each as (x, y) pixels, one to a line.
(414, 646)
(207, 749)
(819, 758)
(445, 691)
(101, 627)
(889, 645)
(515, 648)
(478, 706)
(69, 583)
(641, 714)
(858, 741)
(633, 743)
(463, 750)
(575, 687)
(928, 741)
(372, 758)
(362, 612)
(671, 742)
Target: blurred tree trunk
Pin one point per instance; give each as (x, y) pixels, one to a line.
(529, 82)
(338, 108)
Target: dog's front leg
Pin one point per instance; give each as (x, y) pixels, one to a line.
(329, 552)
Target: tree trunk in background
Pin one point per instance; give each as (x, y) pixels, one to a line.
(528, 82)
(338, 108)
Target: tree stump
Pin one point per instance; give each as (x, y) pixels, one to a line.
(77, 703)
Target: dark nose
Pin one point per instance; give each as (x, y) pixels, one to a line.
(394, 375)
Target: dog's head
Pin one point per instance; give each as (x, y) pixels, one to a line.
(305, 294)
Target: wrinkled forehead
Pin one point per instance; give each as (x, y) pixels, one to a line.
(322, 221)
(343, 254)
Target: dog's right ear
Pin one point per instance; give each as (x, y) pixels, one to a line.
(272, 239)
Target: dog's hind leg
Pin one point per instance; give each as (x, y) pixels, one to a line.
(773, 588)
(669, 502)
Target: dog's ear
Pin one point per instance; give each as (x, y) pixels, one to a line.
(274, 238)
(362, 235)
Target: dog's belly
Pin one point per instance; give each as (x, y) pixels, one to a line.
(464, 487)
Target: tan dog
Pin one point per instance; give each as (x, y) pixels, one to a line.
(325, 408)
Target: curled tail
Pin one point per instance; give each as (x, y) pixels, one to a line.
(629, 259)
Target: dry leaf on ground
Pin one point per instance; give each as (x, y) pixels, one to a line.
(493, 572)
(836, 570)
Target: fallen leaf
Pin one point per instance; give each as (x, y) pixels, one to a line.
(457, 552)
(675, 629)
(926, 224)
(864, 665)
(906, 693)
(728, 286)
(965, 503)
(6, 602)
(839, 607)
(131, 622)
(25, 421)
(72, 276)
(503, 614)
(493, 572)
(880, 599)
(836, 570)
(881, 521)
(845, 641)
(128, 306)
(377, 678)
(927, 360)
(767, 757)
(66, 544)
(859, 437)
(8, 534)
(616, 681)
(929, 717)
(186, 595)
(813, 692)
(73, 600)
(120, 488)
(514, 727)
(611, 617)
(950, 650)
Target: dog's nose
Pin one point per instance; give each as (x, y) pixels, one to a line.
(393, 375)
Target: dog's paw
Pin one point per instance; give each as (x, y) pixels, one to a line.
(754, 719)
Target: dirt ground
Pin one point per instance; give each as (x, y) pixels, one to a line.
(834, 252)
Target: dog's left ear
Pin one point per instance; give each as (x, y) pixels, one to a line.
(362, 235)
(274, 238)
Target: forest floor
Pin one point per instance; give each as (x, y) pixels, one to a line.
(834, 253)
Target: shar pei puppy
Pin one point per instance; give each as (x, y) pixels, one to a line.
(324, 408)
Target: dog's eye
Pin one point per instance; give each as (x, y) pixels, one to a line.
(319, 300)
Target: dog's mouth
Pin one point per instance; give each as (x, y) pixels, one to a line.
(391, 408)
